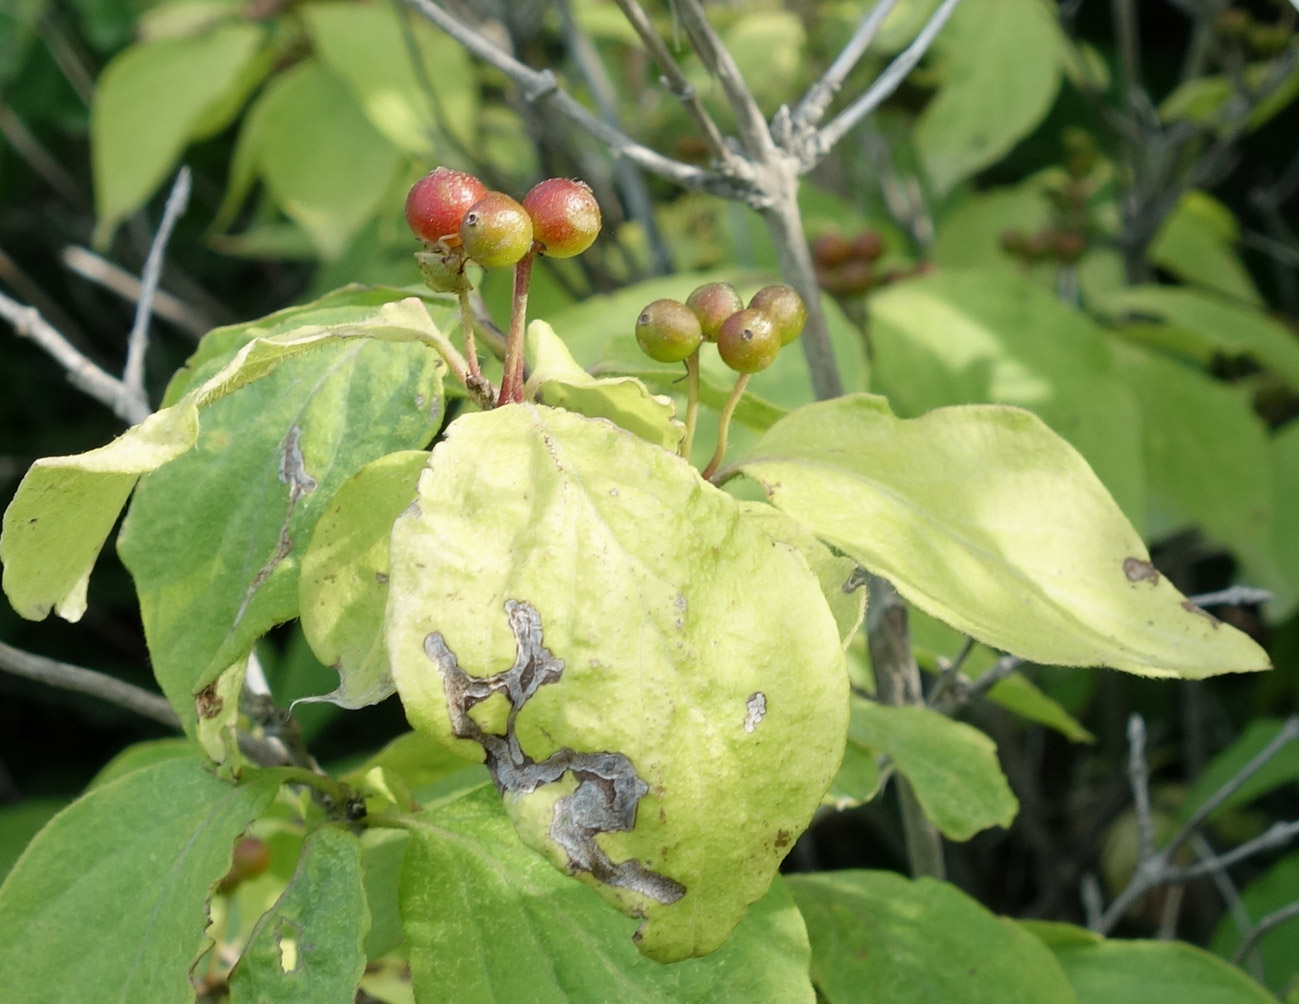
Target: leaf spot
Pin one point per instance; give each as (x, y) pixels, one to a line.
(755, 710)
(207, 702)
(608, 788)
(1191, 608)
(381, 578)
(1137, 571)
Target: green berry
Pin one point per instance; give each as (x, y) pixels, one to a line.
(668, 331)
(712, 304)
(496, 231)
(784, 307)
(748, 341)
(565, 216)
(437, 203)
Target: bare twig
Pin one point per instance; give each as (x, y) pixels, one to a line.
(1156, 869)
(541, 85)
(27, 146)
(1139, 779)
(963, 691)
(118, 280)
(1269, 923)
(87, 681)
(812, 108)
(675, 79)
(1232, 596)
(821, 143)
(897, 682)
(137, 341)
(1235, 905)
(106, 389)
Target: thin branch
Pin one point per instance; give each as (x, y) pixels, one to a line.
(675, 79)
(1277, 835)
(965, 691)
(541, 85)
(1235, 905)
(87, 681)
(749, 120)
(821, 143)
(116, 279)
(106, 389)
(1139, 779)
(1274, 919)
(1232, 596)
(812, 108)
(27, 146)
(137, 341)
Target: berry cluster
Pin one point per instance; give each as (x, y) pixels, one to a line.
(747, 339)
(460, 221)
(846, 267)
(453, 212)
(1063, 245)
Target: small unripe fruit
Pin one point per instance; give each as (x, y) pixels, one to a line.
(565, 216)
(668, 331)
(713, 303)
(437, 203)
(748, 341)
(496, 231)
(251, 858)
(868, 246)
(831, 249)
(784, 307)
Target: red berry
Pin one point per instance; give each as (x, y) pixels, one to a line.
(565, 216)
(251, 858)
(748, 341)
(831, 249)
(712, 304)
(436, 204)
(668, 331)
(496, 231)
(784, 307)
(868, 246)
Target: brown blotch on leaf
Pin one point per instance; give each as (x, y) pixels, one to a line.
(1191, 608)
(1140, 571)
(207, 702)
(782, 839)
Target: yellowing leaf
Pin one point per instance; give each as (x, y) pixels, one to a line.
(989, 521)
(657, 685)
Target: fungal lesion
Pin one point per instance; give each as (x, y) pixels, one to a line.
(608, 788)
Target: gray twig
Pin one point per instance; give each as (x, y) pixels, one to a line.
(541, 85)
(885, 84)
(812, 108)
(675, 79)
(118, 280)
(88, 681)
(1231, 897)
(1155, 870)
(1139, 780)
(1232, 596)
(138, 340)
(106, 389)
(1272, 921)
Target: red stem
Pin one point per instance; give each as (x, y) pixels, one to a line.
(512, 381)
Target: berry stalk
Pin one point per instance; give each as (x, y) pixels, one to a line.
(725, 427)
(512, 381)
(692, 402)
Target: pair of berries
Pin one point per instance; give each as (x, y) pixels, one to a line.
(453, 210)
(748, 340)
(845, 267)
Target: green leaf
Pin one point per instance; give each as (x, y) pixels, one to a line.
(877, 936)
(844, 594)
(367, 46)
(973, 336)
(561, 383)
(65, 507)
(19, 823)
(489, 920)
(970, 232)
(1000, 67)
(214, 540)
(1209, 326)
(1204, 100)
(656, 625)
(326, 166)
(1197, 244)
(107, 903)
(149, 101)
(142, 754)
(1137, 972)
(1191, 424)
(307, 947)
(952, 766)
(1275, 889)
(987, 520)
(343, 586)
(769, 48)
